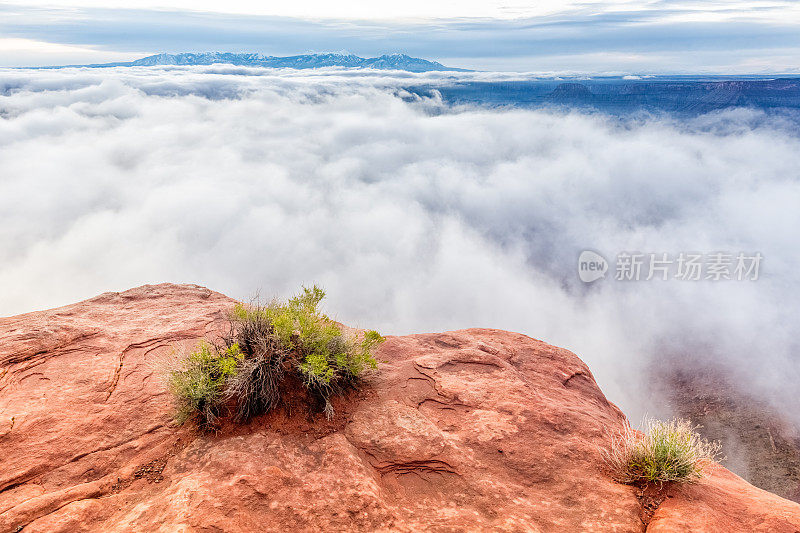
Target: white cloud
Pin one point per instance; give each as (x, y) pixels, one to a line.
(29, 52)
(689, 11)
(246, 179)
(351, 9)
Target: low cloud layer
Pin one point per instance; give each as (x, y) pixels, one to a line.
(414, 216)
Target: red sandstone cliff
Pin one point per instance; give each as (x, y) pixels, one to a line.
(466, 430)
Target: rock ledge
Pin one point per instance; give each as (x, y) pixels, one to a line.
(466, 430)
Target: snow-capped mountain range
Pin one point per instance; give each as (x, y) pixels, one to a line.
(305, 61)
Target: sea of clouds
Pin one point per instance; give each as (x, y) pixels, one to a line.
(415, 216)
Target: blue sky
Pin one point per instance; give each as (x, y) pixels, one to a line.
(659, 36)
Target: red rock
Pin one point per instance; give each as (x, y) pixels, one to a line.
(467, 430)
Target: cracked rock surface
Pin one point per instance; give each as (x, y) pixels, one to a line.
(470, 430)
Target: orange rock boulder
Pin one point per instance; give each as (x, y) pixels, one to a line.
(470, 430)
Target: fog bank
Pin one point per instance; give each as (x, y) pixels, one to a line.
(414, 216)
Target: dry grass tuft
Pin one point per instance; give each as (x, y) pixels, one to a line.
(664, 452)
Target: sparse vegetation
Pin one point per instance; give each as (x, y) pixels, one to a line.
(663, 452)
(270, 350)
(199, 383)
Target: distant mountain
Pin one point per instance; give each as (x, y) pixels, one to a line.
(306, 61)
(570, 91)
(620, 96)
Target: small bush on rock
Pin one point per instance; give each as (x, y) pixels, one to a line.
(269, 350)
(665, 451)
(199, 382)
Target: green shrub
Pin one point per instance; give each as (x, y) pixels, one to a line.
(198, 383)
(268, 348)
(665, 451)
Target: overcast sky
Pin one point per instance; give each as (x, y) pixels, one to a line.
(641, 36)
